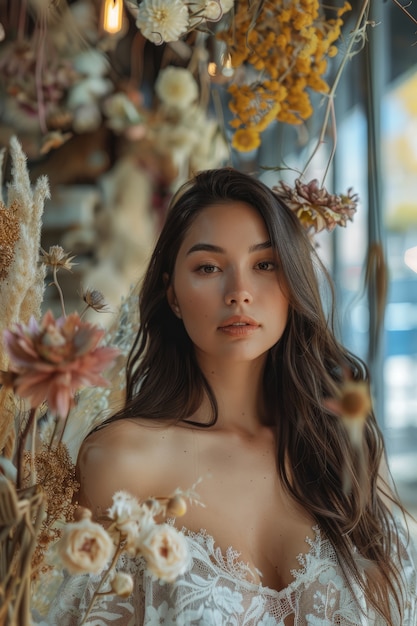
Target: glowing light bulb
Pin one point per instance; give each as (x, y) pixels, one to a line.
(227, 65)
(113, 16)
(212, 69)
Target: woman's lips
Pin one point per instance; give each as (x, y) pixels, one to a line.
(239, 326)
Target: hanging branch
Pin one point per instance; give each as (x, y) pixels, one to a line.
(358, 33)
(404, 10)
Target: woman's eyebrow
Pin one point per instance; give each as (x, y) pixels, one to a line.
(208, 247)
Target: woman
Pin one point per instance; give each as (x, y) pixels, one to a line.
(228, 382)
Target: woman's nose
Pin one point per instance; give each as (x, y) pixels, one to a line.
(237, 291)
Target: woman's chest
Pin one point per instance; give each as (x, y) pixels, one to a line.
(243, 506)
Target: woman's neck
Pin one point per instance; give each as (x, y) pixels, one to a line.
(238, 390)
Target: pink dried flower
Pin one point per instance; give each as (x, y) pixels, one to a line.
(316, 208)
(54, 358)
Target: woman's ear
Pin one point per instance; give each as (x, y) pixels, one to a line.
(171, 297)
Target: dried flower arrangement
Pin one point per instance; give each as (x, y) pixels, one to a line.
(315, 207)
(47, 365)
(52, 369)
(288, 47)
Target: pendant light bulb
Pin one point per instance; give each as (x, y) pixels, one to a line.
(113, 16)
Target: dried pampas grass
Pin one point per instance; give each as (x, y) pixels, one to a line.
(22, 277)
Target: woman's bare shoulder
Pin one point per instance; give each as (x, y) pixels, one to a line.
(119, 456)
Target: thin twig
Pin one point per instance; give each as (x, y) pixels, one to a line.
(58, 286)
(331, 95)
(333, 150)
(42, 31)
(97, 592)
(21, 447)
(404, 10)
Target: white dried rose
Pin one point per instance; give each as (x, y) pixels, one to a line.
(125, 507)
(84, 547)
(211, 10)
(129, 519)
(162, 20)
(165, 551)
(122, 584)
(176, 87)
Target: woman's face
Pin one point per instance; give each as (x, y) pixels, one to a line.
(227, 286)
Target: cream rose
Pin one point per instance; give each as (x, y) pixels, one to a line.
(166, 552)
(84, 547)
(176, 87)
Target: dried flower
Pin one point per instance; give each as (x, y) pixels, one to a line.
(56, 257)
(56, 473)
(84, 547)
(165, 551)
(94, 299)
(176, 507)
(22, 293)
(316, 208)
(210, 10)
(176, 87)
(81, 512)
(287, 46)
(129, 519)
(55, 358)
(9, 234)
(353, 406)
(246, 139)
(53, 140)
(162, 20)
(122, 584)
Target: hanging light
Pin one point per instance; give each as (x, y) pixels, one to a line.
(112, 16)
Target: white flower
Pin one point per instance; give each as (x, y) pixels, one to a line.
(84, 547)
(211, 10)
(176, 87)
(121, 112)
(178, 140)
(124, 508)
(122, 584)
(211, 150)
(166, 552)
(162, 20)
(92, 63)
(87, 118)
(130, 519)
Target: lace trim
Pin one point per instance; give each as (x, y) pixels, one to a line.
(231, 563)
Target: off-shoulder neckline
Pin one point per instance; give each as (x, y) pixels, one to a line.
(228, 561)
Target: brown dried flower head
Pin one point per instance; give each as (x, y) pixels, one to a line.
(317, 208)
(94, 299)
(56, 257)
(353, 401)
(9, 234)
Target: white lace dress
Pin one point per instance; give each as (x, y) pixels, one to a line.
(217, 591)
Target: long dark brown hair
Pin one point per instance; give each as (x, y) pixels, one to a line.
(314, 455)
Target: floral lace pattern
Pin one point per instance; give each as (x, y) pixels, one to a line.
(220, 589)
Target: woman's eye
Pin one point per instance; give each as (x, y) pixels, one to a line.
(266, 265)
(208, 269)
